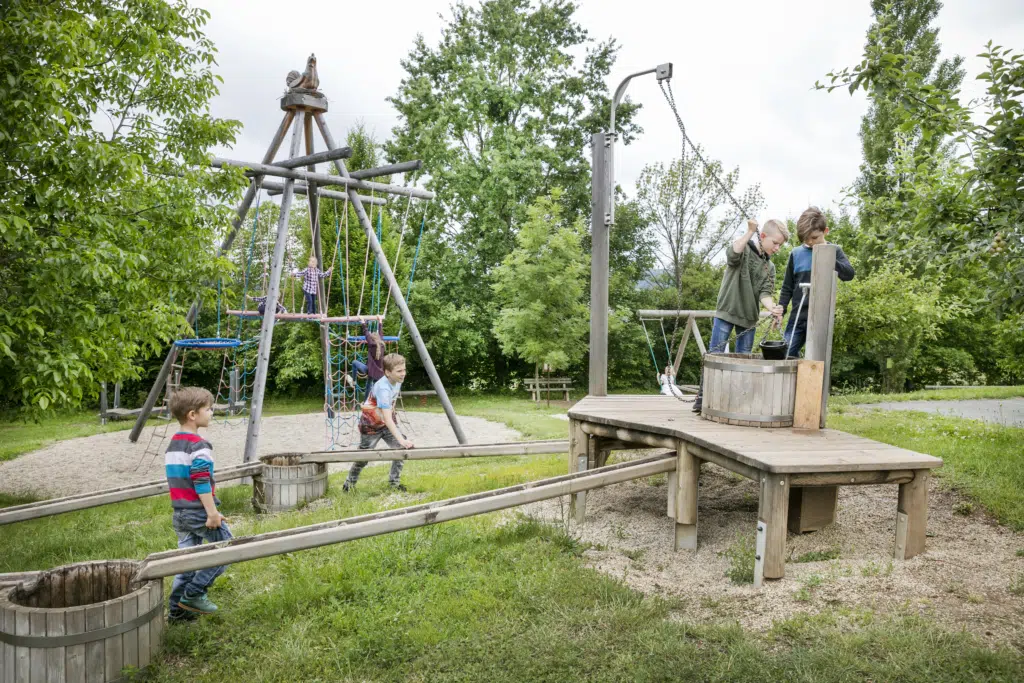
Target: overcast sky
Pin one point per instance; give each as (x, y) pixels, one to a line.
(744, 75)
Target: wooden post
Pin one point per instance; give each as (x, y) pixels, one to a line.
(193, 311)
(252, 436)
(682, 345)
(117, 395)
(912, 516)
(314, 215)
(817, 504)
(233, 392)
(687, 470)
(579, 459)
(103, 403)
(807, 406)
(600, 224)
(396, 289)
(774, 510)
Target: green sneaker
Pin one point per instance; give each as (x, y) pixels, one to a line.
(200, 604)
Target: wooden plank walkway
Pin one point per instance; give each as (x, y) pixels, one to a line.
(798, 470)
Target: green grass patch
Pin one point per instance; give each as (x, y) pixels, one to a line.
(959, 394)
(983, 460)
(819, 556)
(741, 560)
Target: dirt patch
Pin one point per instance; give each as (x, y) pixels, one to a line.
(104, 461)
(963, 580)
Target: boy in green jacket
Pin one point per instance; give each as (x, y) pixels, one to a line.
(747, 285)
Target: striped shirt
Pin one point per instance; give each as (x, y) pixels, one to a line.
(188, 463)
(310, 277)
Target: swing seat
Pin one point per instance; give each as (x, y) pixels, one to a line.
(208, 343)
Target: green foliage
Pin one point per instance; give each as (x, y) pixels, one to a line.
(819, 555)
(500, 111)
(741, 560)
(540, 287)
(882, 322)
(110, 214)
(691, 213)
(951, 211)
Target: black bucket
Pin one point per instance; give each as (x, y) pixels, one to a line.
(773, 350)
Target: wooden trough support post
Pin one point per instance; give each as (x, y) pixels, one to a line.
(912, 516)
(814, 508)
(772, 515)
(687, 471)
(103, 403)
(579, 461)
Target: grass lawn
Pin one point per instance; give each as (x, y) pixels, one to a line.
(929, 395)
(498, 597)
(983, 460)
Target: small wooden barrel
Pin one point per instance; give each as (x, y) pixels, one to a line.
(745, 389)
(285, 484)
(81, 622)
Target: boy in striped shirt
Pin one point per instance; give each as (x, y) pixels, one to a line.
(189, 466)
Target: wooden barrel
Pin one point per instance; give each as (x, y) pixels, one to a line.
(284, 484)
(81, 622)
(745, 389)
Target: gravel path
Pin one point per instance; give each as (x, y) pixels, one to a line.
(1004, 411)
(103, 461)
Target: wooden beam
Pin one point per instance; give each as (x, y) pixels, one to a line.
(811, 509)
(303, 538)
(851, 478)
(252, 433)
(312, 159)
(650, 313)
(256, 169)
(810, 375)
(57, 506)
(437, 452)
(274, 188)
(389, 169)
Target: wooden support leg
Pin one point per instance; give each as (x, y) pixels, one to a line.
(673, 486)
(912, 516)
(687, 469)
(773, 514)
(812, 507)
(579, 460)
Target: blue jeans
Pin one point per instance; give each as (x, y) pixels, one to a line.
(720, 331)
(359, 366)
(310, 302)
(190, 525)
(796, 336)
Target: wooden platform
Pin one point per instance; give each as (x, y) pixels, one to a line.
(798, 470)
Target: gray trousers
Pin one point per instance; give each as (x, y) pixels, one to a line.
(368, 442)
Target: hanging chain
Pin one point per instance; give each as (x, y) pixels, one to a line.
(670, 98)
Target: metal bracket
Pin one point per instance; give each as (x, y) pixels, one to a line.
(760, 543)
(663, 72)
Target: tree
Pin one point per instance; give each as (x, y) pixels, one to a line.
(952, 211)
(686, 202)
(540, 287)
(500, 112)
(109, 212)
(912, 34)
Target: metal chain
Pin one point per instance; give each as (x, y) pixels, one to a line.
(670, 98)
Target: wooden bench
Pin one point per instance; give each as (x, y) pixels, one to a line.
(422, 394)
(547, 384)
(798, 470)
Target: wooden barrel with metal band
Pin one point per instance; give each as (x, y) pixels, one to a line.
(745, 389)
(80, 622)
(285, 484)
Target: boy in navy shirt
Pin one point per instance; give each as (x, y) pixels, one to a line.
(811, 228)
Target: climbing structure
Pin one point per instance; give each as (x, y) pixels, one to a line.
(303, 106)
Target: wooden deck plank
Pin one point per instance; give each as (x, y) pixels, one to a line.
(778, 451)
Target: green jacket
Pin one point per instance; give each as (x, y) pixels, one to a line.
(748, 278)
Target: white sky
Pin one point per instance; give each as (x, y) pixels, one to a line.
(744, 73)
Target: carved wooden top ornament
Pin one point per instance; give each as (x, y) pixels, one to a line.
(307, 80)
